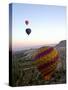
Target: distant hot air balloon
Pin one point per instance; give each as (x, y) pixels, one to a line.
(46, 60)
(28, 31)
(26, 22)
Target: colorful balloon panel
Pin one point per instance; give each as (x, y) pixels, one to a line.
(46, 60)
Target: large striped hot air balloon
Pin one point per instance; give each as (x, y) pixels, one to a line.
(46, 60)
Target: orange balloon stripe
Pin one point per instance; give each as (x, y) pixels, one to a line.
(48, 77)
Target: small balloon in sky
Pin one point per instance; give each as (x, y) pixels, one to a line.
(26, 22)
(28, 31)
(46, 60)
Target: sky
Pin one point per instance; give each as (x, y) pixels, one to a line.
(47, 24)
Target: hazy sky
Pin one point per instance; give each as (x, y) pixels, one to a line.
(47, 23)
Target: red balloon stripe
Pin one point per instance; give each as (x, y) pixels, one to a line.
(52, 70)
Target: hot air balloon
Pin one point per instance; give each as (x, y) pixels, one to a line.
(46, 60)
(26, 22)
(28, 31)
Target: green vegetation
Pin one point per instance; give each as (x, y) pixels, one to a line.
(25, 74)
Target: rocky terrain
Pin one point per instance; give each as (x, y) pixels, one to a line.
(24, 73)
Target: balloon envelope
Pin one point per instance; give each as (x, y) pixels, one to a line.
(46, 60)
(28, 31)
(26, 22)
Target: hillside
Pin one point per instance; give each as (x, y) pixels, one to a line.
(61, 44)
(24, 73)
